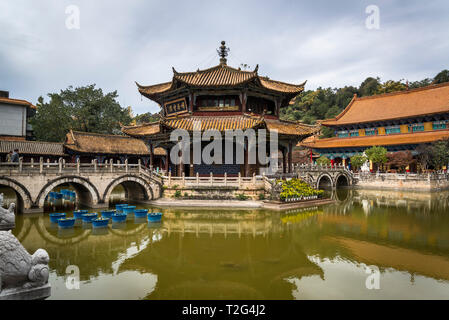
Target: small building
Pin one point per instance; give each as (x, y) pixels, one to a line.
(89, 146)
(398, 121)
(49, 151)
(14, 118)
(221, 98)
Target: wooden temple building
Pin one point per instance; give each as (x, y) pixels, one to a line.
(398, 121)
(220, 98)
(88, 146)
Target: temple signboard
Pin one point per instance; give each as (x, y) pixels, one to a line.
(176, 107)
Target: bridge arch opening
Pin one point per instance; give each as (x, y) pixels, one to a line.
(342, 181)
(324, 182)
(14, 192)
(128, 188)
(86, 193)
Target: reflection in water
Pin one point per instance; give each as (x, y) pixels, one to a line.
(315, 253)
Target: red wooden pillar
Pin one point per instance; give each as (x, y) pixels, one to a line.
(167, 160)
(284, 161)
(290, 157)
(332, 163)
(151, 155)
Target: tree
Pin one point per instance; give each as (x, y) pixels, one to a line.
(378, 155)
(82, 109)
(146, 118)
(369, 86)
(391, 86)
(357, 161)
(440, 153)
(441, 77)
(420, 84)
(423, 155)
(323, 161)
(400, 159)
(52, 120)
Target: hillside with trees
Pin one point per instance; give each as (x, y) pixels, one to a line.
(325, 103)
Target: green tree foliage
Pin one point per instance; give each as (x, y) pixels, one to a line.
(146, 118)
(378, 155)
(369, 87)
(327, 103)
(52, 120)
(357, 161)
(439, 155)
(441, 77)
(323, 161)
(391, 86)
(85, 109)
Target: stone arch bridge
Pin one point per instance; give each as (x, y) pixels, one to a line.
(93, 183)
(325, 177)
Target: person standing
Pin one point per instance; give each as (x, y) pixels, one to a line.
(9, 157)
(15, 156)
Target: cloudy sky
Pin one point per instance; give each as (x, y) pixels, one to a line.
(119, 42)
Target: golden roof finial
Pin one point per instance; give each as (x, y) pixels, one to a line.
(223, 53)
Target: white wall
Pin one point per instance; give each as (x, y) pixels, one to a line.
(12, 120)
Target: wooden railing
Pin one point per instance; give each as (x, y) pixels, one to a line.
(254, 182)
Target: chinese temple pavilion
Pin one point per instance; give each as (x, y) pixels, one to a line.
(221, 98)
(398, 121)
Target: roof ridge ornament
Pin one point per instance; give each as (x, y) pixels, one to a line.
(223, 52)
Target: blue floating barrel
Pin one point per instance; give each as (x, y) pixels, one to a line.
(119, 207)
(140, 213)
(154, 217)
(100, 223)
(58, 196)
(54, 217)
(107, 214)
(88, 217)
(79, 214)
(118, 217)
(128, 209)
(66, 223)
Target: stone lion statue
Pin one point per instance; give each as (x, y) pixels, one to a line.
(7, 217)
(18, 268)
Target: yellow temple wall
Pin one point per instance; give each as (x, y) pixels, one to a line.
(428, 126)
(404, 128)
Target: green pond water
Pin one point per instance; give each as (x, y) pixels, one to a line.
(318, 253)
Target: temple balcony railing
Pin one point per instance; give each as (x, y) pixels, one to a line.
(254, 182)
(431, 176)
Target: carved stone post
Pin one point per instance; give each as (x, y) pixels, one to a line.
(41, 165)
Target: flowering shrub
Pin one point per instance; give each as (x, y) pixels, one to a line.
(296, 188)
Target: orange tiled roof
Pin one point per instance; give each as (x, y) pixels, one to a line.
(17, 101)
(432, 99)
(87, 142)
(219, 76)
(222, 123)
(33, 147)
(386, 140)
(146, 129)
